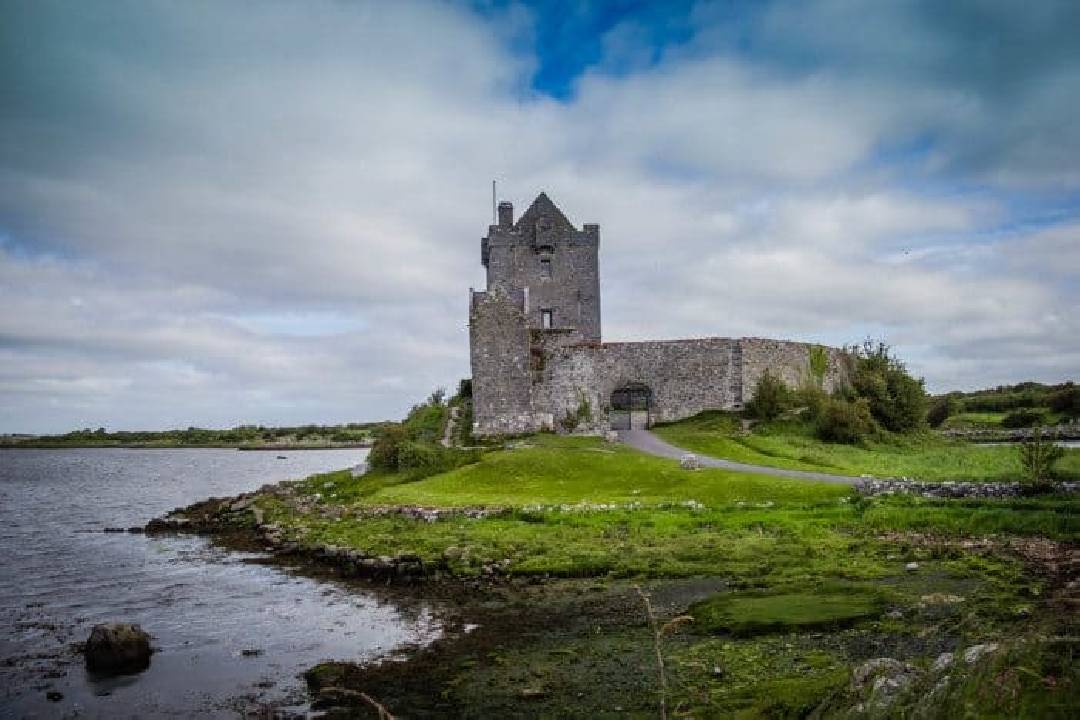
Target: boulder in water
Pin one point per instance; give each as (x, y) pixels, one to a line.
(118, 648)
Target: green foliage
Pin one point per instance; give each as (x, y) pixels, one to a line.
(942, 409)
(896, 400)
(384, 451)
(792, 443)
(753, 613)
(771, 398)
(1038, 455)
(1066, 401)
(581, 415)
(819, 364)
(1023, 418)
(845, 421)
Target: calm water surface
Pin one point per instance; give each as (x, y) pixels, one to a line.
(60, 574)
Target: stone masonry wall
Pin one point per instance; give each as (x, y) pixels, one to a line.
(685, 376)
(790, 361)
(499, 352)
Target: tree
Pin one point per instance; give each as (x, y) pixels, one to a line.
(845, 421)
(1066, 401)
(771, 398)
(896, 400)
(1037, 457)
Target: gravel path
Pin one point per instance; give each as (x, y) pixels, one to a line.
(647, 442)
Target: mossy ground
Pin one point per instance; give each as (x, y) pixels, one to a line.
(751, 547)
(791, 444)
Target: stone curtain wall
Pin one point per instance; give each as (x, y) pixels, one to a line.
(685, 377)
(790, 361)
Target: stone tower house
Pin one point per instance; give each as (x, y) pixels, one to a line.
(551, 261)
(537, 357)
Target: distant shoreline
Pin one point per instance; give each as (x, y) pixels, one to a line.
(167, 446)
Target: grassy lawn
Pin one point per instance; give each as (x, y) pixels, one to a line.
(792, 445)
(990, 420)
(580, 507)
(814, 580)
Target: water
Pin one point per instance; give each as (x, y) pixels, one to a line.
(204, 607)
(1059, 443)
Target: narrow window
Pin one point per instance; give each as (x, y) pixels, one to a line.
(546, 319)
(545, 268)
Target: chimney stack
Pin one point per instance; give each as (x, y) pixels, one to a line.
(506, 215)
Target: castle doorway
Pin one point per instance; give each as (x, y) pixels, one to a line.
(630, 406)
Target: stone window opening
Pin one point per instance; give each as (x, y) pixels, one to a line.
(545, 268)
(547, 319)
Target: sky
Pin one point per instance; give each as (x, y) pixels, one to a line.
(216, 213)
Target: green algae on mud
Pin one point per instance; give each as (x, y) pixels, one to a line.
(756, 613)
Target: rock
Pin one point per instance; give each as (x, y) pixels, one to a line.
(944, 662)
(611, 436)
(53, 696)
(886, 678)
(975, 653)
(117, 648)
(690, 461)
(911, 566)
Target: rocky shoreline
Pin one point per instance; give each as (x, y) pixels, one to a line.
(240, 520)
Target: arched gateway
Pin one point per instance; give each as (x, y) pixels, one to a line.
(630, 407)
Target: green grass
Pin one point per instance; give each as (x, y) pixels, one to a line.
(791, 444)
(974, 420)
(811, 577)
(578, 507)
(745, 614)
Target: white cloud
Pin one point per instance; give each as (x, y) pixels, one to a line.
(272, 214)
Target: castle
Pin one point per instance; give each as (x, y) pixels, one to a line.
(537, 357)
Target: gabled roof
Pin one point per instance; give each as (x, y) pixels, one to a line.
(541, 207)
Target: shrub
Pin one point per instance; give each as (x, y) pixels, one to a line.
(942, 409)
(896, 400)
(814, 399)
(771, 398)
(1026, 417)
(384, 451)
(845, 421)
(1066, 401)
(1037, 457)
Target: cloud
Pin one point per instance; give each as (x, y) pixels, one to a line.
(222, 213)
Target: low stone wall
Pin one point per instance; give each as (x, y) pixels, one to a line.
(1070, 431)
(871, 487)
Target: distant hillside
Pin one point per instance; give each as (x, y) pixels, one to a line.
(248, 436)
(1007, 406)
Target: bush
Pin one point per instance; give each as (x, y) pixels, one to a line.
(814, 399)
(1022, 418)
(771, 398)
(1037, 457)
(896, 400)
(1066, 401)
(844, 421)
(384, 451)
(942, 409)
